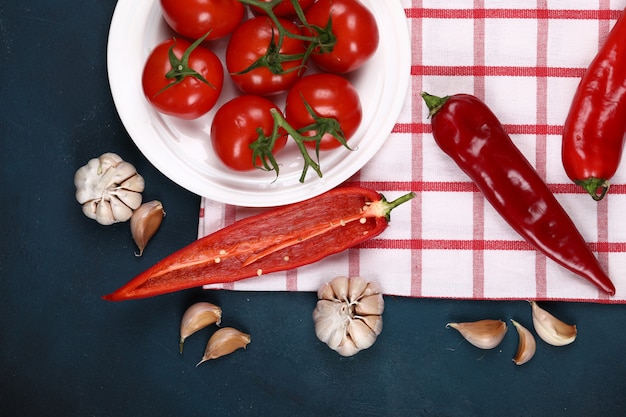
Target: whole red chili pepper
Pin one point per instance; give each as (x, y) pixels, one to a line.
(468, 131)
(276, 240)
(593, 134)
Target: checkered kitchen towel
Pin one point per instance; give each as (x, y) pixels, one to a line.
(524, 59)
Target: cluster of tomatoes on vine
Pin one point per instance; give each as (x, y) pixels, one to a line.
(299, 48)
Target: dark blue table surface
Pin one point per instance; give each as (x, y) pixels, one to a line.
(66, 352)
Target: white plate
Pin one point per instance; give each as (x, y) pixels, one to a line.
(182, 149)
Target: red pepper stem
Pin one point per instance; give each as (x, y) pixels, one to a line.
(596, 187)
(433, 103)
(380, 208)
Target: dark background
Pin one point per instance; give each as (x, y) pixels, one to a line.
(65, 352)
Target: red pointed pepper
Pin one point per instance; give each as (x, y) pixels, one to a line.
(276, 240)
(593, 134)
(468, 131)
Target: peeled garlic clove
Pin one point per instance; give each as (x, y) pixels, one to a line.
(145, 222)
(197, 317)
(484, 334)
(224, 341)
(550, 329)
(348, 316)
(527, 345)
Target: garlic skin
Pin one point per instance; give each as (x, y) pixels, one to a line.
(198, 316)
(484, 334)
(348, 315)
(145, 222)
(224, 341)
(550, 329)
(109, 189)
(527, 345)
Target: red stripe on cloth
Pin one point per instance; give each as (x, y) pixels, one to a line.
(541, 137)
(482, 13)
(417, 157)
(512, 129)
(604, 28)
(485, 245)
(469, 187)
(478, 231)
(292, 280)
(496, 71)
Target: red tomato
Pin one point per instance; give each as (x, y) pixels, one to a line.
(250, 42)
(329, 95)
(284, 8)
(191, 97)
(194, 18)
(235, 126)
(355, 29)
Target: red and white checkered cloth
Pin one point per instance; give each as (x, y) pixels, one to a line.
(524, 59)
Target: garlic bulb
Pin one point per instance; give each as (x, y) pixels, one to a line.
(484, 334)
(108, 188)
(550, 329)
(145, 222)
(348, 315)
(224, 341)
(527, 345)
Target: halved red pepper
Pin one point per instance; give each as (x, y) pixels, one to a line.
(276, 240)
(468, 131)
(593, 134)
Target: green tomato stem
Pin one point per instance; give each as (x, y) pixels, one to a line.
(324, 39)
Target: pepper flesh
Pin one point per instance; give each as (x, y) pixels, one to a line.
(593, 133)
(468, 131)
(276, 240)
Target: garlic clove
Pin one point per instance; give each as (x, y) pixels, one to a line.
(135, 183)
(527, 345)
(550, 329)
(145, 222)
(374, 322)
(340, 286)
(121, 212)
(347, 348)
(104, 213)
(371, 289)
(484, 334)
(198, 316)
(131, 198)
(90, 208)
(325, 316)
(356, 288)
(106, 161)
(223, 342)
(361, 334)
(371, 305)
(325, 292)
(123, 171)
